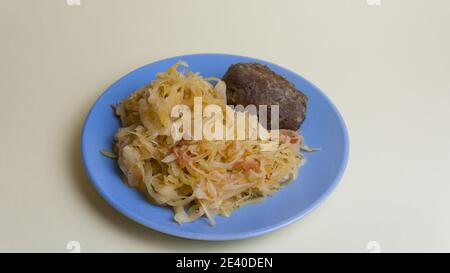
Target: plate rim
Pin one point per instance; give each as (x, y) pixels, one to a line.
(218, 237)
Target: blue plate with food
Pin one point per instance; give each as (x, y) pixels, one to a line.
(214, 146)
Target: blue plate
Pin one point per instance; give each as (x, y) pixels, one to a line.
(324, 128)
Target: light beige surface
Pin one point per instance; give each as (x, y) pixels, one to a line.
(386, 67)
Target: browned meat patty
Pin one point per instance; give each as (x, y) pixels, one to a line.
(253, 83)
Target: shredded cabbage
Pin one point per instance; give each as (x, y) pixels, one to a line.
(196, 177)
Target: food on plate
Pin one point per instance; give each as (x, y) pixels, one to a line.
(200, 177)
(253, 83)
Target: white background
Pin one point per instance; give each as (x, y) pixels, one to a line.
(387, 68)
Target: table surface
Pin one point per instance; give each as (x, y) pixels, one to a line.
(385, 66)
